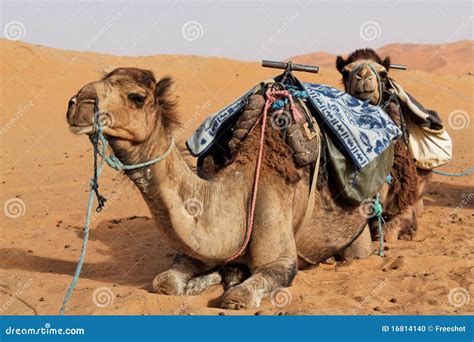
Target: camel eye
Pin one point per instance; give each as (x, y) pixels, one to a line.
(358, 77)
(136, 98)
(383, 74)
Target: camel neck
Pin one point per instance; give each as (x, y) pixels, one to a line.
(183, 204)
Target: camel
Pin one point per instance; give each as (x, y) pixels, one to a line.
(365, 76)
(206, 220)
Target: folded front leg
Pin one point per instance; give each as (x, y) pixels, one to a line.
(261, 284)
(173, 281)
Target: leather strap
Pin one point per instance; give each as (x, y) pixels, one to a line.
(312, 195)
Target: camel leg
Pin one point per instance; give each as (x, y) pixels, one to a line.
(407, 225)
(361, 248)
(200, 283)
(173, 281)
(263, 282)
(271, 256)
(230, 275)
(401, 226)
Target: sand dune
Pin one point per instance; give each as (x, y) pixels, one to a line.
(449, 58)
(46, 170)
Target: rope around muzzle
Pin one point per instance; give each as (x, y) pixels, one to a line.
(100, 145)
(355, 70)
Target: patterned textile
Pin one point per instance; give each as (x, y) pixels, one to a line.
(206, 133)
(363, 130)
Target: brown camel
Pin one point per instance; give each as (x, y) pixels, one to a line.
(365, 76)
(206, 220)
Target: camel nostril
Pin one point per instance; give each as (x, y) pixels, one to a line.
(71, 107)
(72, 101)
(88, 92)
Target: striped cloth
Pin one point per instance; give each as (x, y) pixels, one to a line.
(363, 130)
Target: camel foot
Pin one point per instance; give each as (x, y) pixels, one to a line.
(170, 283)
(199, 284)
(250, 293)
(408, 232)
(403, 228)
(240, 297)
(390, 231)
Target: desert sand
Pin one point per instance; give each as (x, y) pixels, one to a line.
(45, 170)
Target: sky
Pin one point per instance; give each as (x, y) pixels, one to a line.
(244, 30)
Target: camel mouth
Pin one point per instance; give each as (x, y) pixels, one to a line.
(365, 95)
(82, 129)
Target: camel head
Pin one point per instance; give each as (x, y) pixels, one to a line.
(131, 105)
(364, 74)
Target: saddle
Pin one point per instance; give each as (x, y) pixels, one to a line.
(357, 166)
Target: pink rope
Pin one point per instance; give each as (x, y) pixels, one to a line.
(272, 96)
(276, 94)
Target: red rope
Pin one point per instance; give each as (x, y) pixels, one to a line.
(272, 96)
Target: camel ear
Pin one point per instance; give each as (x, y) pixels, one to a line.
(386, 63)
(164, 87)
(340, 63)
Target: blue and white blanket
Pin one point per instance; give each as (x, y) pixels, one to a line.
(363, 130)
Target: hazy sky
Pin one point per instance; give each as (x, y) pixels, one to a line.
(248, 30)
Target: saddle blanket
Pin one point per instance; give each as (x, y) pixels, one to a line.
(364, 131)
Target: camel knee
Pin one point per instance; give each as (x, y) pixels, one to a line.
(279, 274)
(174, 280)
(360, 248)
(169, 283)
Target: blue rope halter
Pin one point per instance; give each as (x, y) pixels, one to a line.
(100, 144)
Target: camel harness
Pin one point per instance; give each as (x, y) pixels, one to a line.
(100, 144)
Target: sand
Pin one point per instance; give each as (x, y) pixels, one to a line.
(45, 170)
